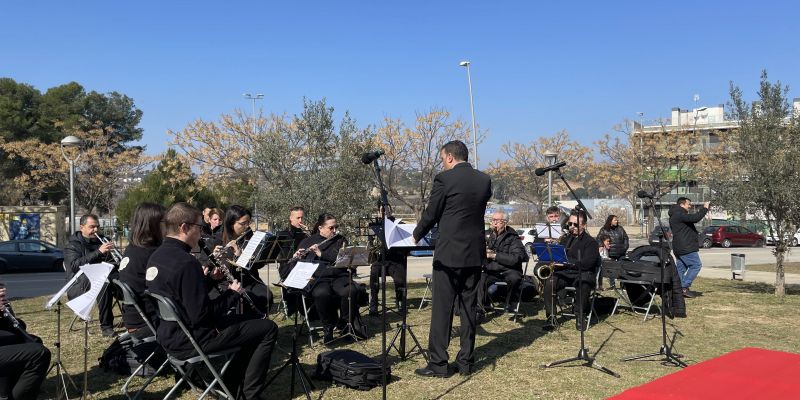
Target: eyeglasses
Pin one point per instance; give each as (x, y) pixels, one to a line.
(572, 224)
(498, 220)
(332, 227)
(243, 223)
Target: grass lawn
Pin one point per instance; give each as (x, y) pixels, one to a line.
(727, 316)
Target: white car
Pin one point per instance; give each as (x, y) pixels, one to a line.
(795, 241)
(527, 234)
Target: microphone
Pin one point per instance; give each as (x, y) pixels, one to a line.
(541, 171)
(370, 156)
(643, 195)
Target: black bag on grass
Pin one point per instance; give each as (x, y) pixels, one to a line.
(350, 368)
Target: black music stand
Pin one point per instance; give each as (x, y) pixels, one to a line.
(403, 326)
(278, 248)
(544, 253)
(666, 349)
(294, 364)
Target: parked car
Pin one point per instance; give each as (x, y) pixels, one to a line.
(731, 235)
(655, 235)
(24, 255)
(793, 241)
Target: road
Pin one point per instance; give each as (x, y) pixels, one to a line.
(24, 285)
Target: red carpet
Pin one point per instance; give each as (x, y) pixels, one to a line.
(749, 373)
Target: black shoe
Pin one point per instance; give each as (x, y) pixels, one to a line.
(107, 331)
(427, 372)
(327, 334)
(687, 293)
(465, 371)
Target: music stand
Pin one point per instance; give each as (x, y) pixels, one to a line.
(553, 254)
(294, 363)
(403, 326)
(278, 250)
(351, 258)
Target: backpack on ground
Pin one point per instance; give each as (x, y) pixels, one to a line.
(350, 368)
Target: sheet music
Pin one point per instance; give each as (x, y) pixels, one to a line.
(552, 231)
(401, 235)
(250, 249)
(301, 274)
(97, 274)
(53, 300)
(352, 256)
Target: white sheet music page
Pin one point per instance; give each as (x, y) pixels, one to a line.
(250, 249)
(97, 274)
(301, 274)
(552, 231)
(401, 235)
(53, 300)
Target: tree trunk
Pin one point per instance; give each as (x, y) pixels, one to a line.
(780, 279)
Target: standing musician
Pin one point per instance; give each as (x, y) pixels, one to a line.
(583, 255)
(85, 248)
(396, 265)
(229, 245)
(174, 273)
(23, 358)
(457, 202)
(331, 285)
(505, 254)
(146, 236)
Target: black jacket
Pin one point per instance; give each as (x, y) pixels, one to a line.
(583, 255)
(174, 273)
(132, 271)
(330, 250)
(619, 241)
(457, 203)
(509, 251)
(78, 252)
(684, 233)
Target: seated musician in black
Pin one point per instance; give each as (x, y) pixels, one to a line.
(395, 263)
(505, 255)
(331, 286)
(174, 273)
(146, 236)
(23, 358)
(553, 215)
(584, 256)
(228, 245)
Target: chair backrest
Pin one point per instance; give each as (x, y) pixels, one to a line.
(130, 298)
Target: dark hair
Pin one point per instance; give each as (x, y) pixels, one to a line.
(85, 218)
(146, 225)
(552, 210)
(682, 200)
(580, 214)
(602, 238)
(210, 206)
(457, 149)
(216, 211)
(232, 214)
(178, 214)
(297, 208)
(607, 225)
(321, 220)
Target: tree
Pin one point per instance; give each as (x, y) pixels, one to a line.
(303, 160)
(169, 182)
(412, 154)
(523, 159)
(759, 173)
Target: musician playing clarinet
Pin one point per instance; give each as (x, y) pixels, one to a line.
(584, 259)
(23, 358)
(331, 286)
(174, 273)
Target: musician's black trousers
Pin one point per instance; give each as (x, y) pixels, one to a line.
(453, 286)
(558, 283)
(249, 367)
(22, 368)
(331, 297)
(511, 277)
(394, 270)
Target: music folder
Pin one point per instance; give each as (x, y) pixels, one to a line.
(353, 256)
(547, 252)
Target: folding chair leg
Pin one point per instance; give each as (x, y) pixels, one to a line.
(217, 379)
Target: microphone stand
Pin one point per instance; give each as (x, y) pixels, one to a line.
(384, 203)
(666, 349)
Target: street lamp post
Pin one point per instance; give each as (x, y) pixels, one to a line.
(641, 157)
(71, 141)
(550, 158)
(472, 110)
(253, 98)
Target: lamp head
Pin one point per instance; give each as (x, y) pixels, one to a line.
(71, 141)
(464, 63)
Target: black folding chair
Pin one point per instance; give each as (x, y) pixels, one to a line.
(167, 311)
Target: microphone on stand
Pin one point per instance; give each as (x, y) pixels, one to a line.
(644, 195)
(541, 171)
(370, 156)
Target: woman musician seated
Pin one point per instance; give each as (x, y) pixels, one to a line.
(228, 245)
(331, 286)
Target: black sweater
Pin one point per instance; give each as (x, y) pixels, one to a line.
(132, 271)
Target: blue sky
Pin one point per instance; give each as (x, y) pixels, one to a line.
(536, 68)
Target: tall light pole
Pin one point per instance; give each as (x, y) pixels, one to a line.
(253, 98)
(550, 158)
(71, 141)
(641, 157)
(472, 110)
(694, 129)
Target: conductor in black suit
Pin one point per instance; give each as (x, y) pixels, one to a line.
(457, 203)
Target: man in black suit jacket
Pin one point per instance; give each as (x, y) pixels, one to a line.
(457, 203)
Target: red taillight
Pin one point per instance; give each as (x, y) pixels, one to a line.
(522, 238)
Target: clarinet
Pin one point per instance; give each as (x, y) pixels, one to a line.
(228, 276)
(8, 313)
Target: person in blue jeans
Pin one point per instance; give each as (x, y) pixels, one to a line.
(685, 244)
